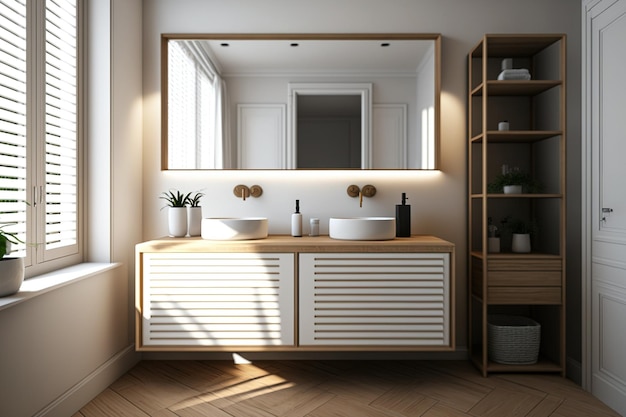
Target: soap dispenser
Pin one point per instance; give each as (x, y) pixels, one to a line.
(296, 221)
(403, 218)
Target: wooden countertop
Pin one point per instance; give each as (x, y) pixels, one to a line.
(286, 243)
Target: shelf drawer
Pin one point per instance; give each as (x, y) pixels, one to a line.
(524, 295)
(524, 278)
(524, 264)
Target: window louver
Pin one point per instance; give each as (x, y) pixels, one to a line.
(39, 126)
(61, 132)
(13, 117)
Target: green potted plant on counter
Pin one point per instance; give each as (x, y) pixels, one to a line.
(11, 269)
(177, 212)
(194, 214)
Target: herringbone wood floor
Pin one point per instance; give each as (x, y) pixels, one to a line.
(336, 388)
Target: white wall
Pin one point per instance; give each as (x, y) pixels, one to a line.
(273, 90)
(62, 347)
(438, 199)
(57, 348)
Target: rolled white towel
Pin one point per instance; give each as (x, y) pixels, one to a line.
(514, 74)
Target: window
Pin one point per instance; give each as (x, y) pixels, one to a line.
(194, 99)
(40, 129)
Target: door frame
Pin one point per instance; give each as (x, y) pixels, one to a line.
(364, 90)
(586, 193)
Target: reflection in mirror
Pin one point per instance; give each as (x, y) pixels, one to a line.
(226, 101)
(329, 131)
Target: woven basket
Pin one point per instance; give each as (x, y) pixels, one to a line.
(513, 340)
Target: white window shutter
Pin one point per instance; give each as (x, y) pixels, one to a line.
(13, 119)
(61, 127)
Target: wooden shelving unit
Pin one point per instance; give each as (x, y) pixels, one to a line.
(529, 284)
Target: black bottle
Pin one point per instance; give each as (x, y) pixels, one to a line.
(403, 218)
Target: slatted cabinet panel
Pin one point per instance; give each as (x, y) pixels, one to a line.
(392, 299)
(218, 299)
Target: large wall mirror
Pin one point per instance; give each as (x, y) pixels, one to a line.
(296, 101)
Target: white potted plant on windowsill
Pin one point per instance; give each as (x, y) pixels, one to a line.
(11, 269)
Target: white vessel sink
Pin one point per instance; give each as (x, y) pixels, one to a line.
(232, 228)
(362, 228)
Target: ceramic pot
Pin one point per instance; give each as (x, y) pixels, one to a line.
(521, 243)
(494, 245)
(177, 221)
(194, 220)
(512, 189)
(11, 275)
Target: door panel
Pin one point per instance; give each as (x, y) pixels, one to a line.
(608, 205)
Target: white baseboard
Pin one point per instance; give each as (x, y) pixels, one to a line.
(93, 384)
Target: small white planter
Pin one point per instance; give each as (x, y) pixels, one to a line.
(521, 243)
(194, 220)
(512, 189)
(494, 245)
(177, 221)
(11, 275)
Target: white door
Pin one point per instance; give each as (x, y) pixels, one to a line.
(606, 32)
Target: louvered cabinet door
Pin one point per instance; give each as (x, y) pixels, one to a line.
(358, 299)
(218, 299)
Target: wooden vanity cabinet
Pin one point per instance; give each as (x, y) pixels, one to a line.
(284, 293)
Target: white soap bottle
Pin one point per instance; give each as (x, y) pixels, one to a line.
(296, 221)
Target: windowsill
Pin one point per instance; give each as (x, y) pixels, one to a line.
(39, 285)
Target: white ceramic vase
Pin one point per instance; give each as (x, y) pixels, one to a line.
(494, 244)
(11, 275)
(521, 243)
(512, 189)
(194, 220)
(177, 221)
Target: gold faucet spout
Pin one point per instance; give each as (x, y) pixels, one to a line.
(242, 191)
(361, 199)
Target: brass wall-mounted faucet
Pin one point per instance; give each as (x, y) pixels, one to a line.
(366, 191)
(243, 192)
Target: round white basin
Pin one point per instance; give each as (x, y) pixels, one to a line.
(233, 228)
(362, 228)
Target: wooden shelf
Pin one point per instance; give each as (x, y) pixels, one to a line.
(527, 282)
(515, 87)
(542, 365)
(515, 45)
(516, 136)
(534, 195)
(510, 255)
(513, 196)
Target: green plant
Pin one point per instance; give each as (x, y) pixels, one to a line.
(514, 177)
(177, 199)
(194, 201)
(7, 237)
(518, 226)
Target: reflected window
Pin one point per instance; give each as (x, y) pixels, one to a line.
(193, 98)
